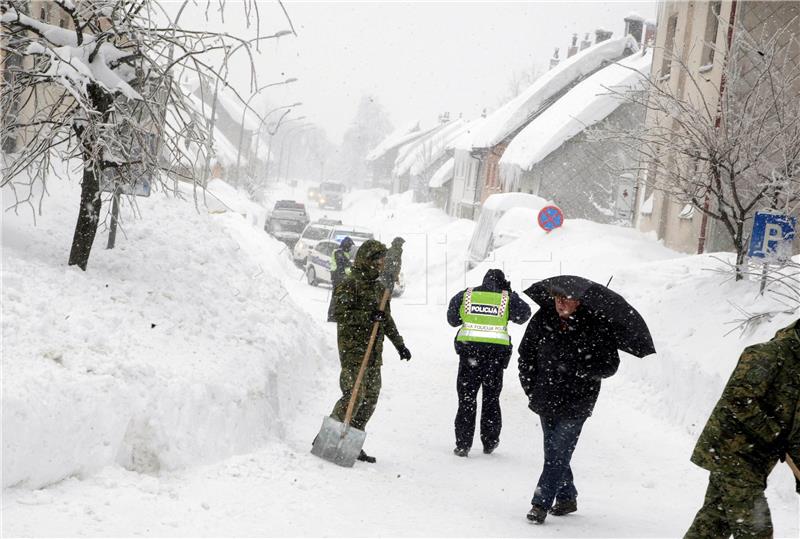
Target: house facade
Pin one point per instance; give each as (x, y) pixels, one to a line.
(699, 34)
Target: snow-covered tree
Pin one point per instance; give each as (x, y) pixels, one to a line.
(103, 84)
(369, 127)
(732, 151)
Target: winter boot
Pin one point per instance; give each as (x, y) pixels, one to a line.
(461, 452)
(488, 448)
(537, 514)
(363, 457)
(564, 507)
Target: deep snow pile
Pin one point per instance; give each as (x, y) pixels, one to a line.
(180, 346)
(690, 307)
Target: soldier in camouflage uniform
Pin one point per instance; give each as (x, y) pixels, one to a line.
(394, 260)
(357, 301)
(755, 423)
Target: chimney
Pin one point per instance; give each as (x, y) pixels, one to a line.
(554, 59)
(649, 33)
(585, 44)
(634, 25)
(573, 49)
(601, 35)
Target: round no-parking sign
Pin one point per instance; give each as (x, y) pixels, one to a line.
(550, 217)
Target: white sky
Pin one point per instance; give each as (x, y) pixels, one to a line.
(417, 58)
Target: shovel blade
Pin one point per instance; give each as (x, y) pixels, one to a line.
(338, 443)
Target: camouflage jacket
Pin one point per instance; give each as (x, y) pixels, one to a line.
(391, 269)
(357, 297)
(756, 420)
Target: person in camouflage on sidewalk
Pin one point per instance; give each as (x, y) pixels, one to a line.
(755, 423)
(394, 261)
(357, 300)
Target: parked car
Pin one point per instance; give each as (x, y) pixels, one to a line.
(312, 234)
(331, 195)
(318, 265)
(318, 260)
(286, 221)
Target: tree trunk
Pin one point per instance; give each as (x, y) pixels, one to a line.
(741, 250)
(89, 213)
(88, 218)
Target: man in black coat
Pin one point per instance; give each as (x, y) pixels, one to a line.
(564, 355)
(483, 355)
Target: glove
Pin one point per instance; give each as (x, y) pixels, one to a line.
(378, 316)
(404, 352)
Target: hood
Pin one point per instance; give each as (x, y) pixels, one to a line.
(365, 258)
(398, 242)
(495, 279)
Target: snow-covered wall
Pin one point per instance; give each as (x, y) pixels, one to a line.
(172, 349)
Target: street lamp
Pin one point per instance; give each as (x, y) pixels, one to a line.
(244, 112)
(272, 133)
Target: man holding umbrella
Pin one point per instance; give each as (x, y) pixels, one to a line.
(569, 346)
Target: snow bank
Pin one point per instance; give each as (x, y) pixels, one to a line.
(583, 106)
(688, 307)
(181, 346)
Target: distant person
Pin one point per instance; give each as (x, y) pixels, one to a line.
(357, 300)
(484, 349)
(562, 359)
(340, 268)
(394, 262)
(755, 423)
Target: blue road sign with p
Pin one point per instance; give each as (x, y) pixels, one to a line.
(772, 236)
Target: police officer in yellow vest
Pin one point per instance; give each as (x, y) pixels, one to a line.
(484, 349)
(340, 268)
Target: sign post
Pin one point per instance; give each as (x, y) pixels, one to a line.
(771, 240)
(550, 218)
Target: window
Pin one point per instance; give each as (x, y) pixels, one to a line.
(669, 45)
(316, 233)
(710, 38)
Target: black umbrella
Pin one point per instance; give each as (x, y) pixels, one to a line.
(605, 306)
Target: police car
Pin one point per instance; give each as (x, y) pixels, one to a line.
(318, 258)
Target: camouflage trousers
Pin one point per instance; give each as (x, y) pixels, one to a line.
(732, 506)
(367, 398)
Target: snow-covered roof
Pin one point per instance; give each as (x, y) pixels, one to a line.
(396, 139)
(443, 174)
(426, 150)
(234, 106)
(587, 103)
(516, 112)
(464, 140)
(224, 151)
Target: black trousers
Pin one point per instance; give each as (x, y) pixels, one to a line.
(484, 373)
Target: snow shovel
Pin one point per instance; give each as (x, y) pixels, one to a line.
(339, 442)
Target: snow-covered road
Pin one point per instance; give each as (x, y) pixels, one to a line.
(631, 465)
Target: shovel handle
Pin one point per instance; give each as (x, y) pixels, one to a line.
(354, 394)
(793, 466)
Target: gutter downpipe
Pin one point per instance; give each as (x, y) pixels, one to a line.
(701, 241)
